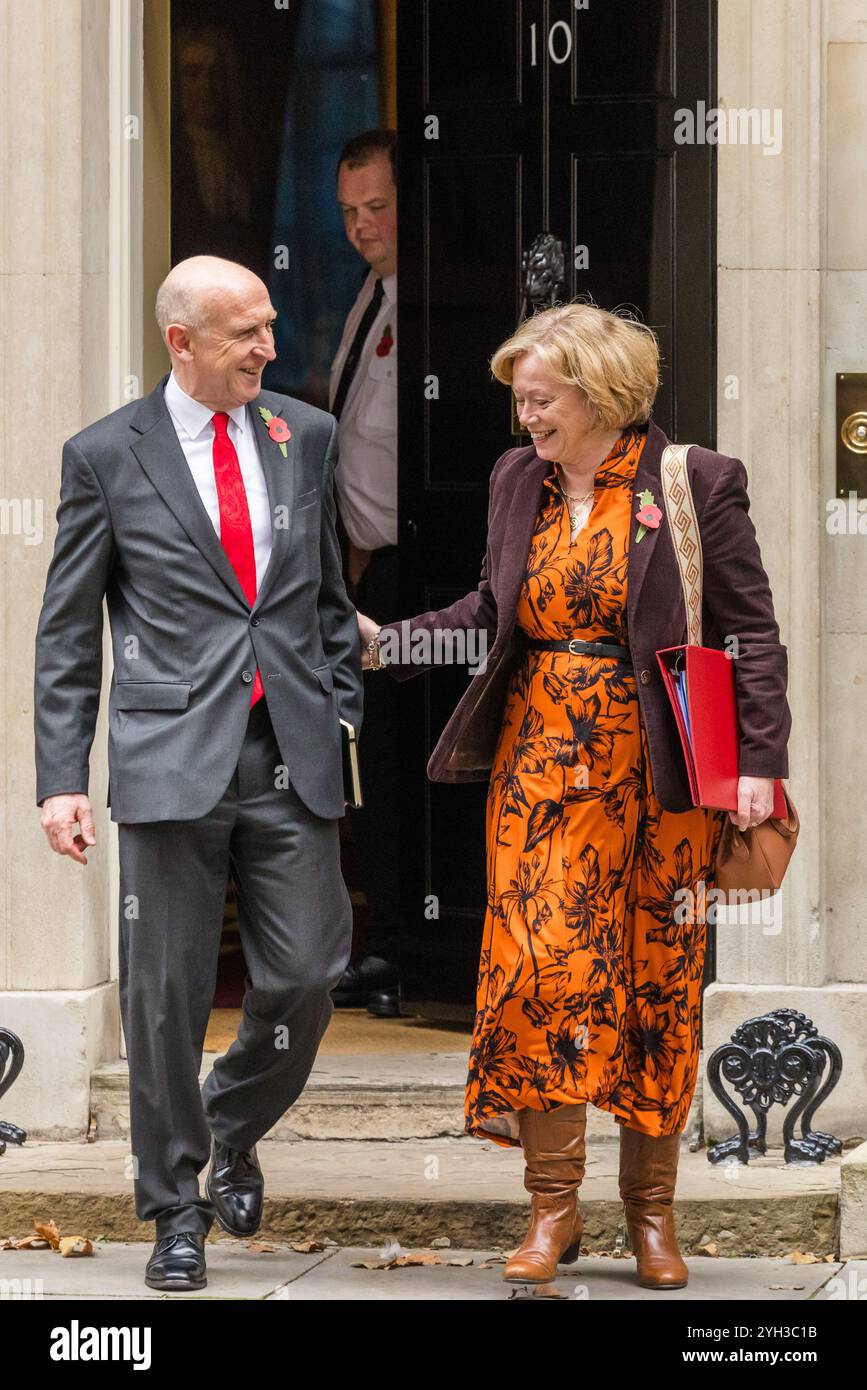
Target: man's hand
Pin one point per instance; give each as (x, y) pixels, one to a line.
(356, 563)
(60, 814)
(367, 630)
(755, 801)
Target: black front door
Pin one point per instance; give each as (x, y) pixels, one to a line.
(521, 117)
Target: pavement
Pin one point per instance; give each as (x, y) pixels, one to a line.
(238, 1270)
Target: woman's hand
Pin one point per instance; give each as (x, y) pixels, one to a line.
(367, 629)
(755, 801)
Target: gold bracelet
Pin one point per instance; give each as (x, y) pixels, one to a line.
(373, 650)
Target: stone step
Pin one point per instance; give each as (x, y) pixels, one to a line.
(371, 1192)
(410, 1095)
(385, 1096)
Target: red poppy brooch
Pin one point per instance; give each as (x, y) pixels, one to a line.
(386, 342)
(278, 430)
(649, 515)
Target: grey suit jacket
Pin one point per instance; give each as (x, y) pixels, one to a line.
(186, 642)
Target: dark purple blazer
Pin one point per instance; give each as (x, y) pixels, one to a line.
(737, 601)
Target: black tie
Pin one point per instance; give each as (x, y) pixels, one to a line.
(355, 351)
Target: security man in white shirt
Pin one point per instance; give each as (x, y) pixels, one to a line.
(363, 397)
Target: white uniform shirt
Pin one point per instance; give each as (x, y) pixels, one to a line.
(366, 474)
(192, 422)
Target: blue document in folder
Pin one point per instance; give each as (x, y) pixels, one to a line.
(680, 687)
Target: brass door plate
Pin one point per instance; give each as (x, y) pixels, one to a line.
(851, 433)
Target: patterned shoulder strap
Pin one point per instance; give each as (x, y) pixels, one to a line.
(683, 524)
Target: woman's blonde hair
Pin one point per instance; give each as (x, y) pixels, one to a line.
(612, 357)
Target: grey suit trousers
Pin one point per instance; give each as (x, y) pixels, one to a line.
(295, 920)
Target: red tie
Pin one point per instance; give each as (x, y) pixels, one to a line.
(236, 533)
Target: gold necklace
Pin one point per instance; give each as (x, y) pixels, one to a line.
(578, 507)
(578, 514)
(573, 496)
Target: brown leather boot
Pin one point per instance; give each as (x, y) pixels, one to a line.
(648, 1173)
(553, 1144)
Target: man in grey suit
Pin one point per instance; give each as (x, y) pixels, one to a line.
(204, 514)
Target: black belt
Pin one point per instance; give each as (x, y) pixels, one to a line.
(579, 648)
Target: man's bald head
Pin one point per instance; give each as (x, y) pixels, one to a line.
(216, 318)
(193, 287)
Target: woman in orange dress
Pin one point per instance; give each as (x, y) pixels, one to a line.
(589, 986)
(590, 979)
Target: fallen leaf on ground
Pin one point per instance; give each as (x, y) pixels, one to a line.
(48, 1230)
(711, 1249)
(403, 1261)
(75, 1245)
(441, 1243)
(46, 1236)
(461, 1261)
(263, 1247)
(786, 1288)
(804, 1257)
(537, 1291)
(306, 1247)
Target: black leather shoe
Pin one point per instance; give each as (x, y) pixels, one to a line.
(360, 980)
(236, 1187)
(384, 1003)
(177, 1262)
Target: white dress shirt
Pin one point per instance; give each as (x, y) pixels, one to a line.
(195, 431)
(366, 474)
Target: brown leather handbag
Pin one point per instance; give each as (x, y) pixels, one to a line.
(757, 859)
(752, 860)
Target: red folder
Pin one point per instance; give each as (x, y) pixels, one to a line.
(709, 729)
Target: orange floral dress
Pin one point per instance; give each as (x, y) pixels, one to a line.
(592, 958)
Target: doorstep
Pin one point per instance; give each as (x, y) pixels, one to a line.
(347, 1096)
(401, 1095)
(372, 1192)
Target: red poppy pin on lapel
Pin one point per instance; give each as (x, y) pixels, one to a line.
(386, 342)
(648, 514)
(278, 430)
